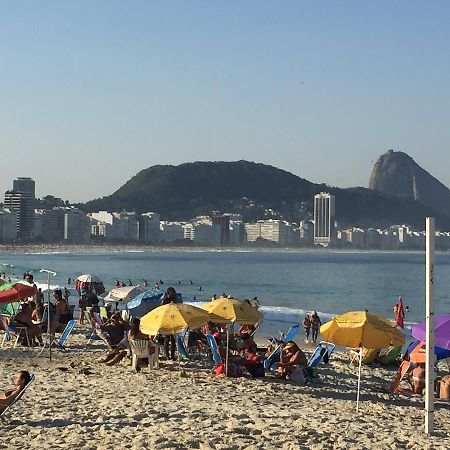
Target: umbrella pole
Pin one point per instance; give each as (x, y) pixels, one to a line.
(359, 377)
(228, 347)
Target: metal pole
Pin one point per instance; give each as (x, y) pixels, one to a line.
(228, 346)
(429, 317)
(49, 334)
(359, 376)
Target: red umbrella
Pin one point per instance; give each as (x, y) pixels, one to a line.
(399, 319)
(11, 292)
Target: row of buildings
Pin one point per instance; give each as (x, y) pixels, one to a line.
(21, 221)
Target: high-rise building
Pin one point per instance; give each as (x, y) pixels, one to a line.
(25, 185)
(8, 225)
(324, 208)
(223, 221)
(21, 200)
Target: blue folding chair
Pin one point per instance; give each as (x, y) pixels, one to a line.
(275, 355)
(214, 350)
(181, 347)
(61, 342)
(322, 349)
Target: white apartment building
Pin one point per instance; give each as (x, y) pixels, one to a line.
(122, 226)
(8, 225)
(76, 226)
(252, 231)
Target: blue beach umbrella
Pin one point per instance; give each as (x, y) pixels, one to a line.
(145, 302)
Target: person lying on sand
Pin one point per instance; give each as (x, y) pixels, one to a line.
(291, 356)
(21, 379)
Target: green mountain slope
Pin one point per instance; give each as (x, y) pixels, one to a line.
(191, 189)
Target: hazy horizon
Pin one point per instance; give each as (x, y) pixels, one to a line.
(94, 92)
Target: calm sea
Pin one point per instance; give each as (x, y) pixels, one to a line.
(288, 284)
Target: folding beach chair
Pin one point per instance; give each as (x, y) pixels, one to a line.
(11, 330)
(22, 392)
(181, 347)
(404, 370)
(214, 350)
(322, 352)
(97, 323)
(61, 342)
(275, 355)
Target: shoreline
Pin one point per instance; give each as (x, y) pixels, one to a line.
(132, 248)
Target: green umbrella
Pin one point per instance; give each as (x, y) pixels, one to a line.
(10, 308)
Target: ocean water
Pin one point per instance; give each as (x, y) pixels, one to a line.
(288, 284)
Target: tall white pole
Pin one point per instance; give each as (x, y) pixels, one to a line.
(429, 317)
(49, 334)
(359, 377)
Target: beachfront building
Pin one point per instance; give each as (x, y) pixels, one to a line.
(324, 210)
(25, 185)
(208, 235)
(223, 221)
(48, 225)
(171, 231)
(76, 226)
(121, 226)
(22, 203)
(8, 225)
(252, 231)
(149, 227)
(188, 231)
(274, 231)
(237, 233)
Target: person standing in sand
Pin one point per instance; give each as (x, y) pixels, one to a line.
(170, 297)
(307, 327)
(315, 325)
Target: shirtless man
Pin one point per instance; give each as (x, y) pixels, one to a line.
(291, 356)
(21, 379)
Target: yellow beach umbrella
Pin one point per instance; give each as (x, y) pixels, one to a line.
(228, 310)
(173, 318)
(361, 329)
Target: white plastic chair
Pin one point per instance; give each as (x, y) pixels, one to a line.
(141, 349)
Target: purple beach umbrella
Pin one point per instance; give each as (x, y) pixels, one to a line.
(441, 331)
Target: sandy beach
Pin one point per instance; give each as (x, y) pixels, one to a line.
(78, 403)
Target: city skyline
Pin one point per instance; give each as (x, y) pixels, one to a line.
(94, 93)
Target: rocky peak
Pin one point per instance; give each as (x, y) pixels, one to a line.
(396, 173)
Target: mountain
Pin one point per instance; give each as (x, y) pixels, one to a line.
(185, 191)
(396, 173)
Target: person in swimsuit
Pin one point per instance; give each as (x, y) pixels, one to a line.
(291, 356)
(21, 379)
(23, 319)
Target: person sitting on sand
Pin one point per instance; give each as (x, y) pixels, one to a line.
(444, 388)
(291, 356)
(21, 379)
(244, 339)
(417, 379)
(24, 319)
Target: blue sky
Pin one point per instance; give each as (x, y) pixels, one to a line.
(94, 91)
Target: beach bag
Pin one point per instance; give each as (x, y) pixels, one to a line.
(234, 371)
(297, 376)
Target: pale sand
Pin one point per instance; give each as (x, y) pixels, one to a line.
(113, 408)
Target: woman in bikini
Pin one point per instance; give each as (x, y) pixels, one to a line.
(20, 380)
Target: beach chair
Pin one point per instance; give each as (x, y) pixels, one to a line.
(321, 352)
(97, 323)
(16, 400)
(140, 349)
(61, 342)
(275, 355)
(404, 370)
(391, 356)
(181, 347)
(11, 330)
(369, 355)
(214, 350)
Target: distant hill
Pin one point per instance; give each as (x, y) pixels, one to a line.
(185, 191)
(396, 173)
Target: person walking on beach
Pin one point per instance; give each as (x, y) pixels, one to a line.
(315, 325)
(169, 341)
(307, 327)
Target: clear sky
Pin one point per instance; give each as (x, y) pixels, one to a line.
(94, 91)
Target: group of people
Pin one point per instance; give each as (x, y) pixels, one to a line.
(311, 325)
